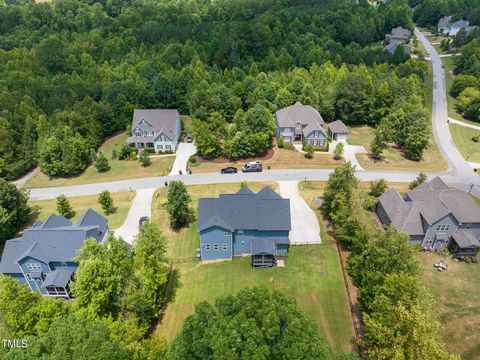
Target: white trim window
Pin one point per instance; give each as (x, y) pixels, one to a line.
(168, 147)
(28, 276)
(224, 247)
(240, 232)
(443, 227)
(34, 266)
(226, 233)
(207, 247)
(215, 247)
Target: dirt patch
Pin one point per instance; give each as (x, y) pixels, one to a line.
(221, 160)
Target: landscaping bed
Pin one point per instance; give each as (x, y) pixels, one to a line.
(119, 169)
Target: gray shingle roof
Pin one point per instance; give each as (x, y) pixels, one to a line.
(263, 246)
(59, 277)
(265, 210)
(306, 115)
(465, 238)
(444, 21)
(400, 33)
(55, 240)
(157, 120)
(431, 200)
(338, 127)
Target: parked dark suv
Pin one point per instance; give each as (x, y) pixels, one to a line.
(229, 170)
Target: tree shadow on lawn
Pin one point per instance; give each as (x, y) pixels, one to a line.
(173, 283)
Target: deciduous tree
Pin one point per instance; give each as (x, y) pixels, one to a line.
(178, 205)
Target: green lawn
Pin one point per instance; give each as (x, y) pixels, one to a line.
(322, 296)
(457, 294)
(281, 159)
(120, 170)
(393, 158)
(121, 200)
(462, 136)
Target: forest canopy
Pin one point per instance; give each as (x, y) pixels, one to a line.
(79, 68)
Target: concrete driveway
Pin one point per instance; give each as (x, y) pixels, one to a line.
(305, 227)
(141, 206)
(184, 151)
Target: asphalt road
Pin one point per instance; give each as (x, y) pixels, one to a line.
(460, 175)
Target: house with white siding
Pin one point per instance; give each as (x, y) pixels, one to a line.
(155, 128)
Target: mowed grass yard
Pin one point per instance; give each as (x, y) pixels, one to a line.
(457, 295)
(282, 159)
(393, 158)
(120, 169)
(121, 200)
(462, 136)
(322, 296)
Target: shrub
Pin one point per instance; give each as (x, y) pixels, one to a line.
(308, 148)
(370, 203)
(377, 187)
(101, 163)
(192, 159)
(144, 159)
(476, 138)
(124, 151)
(338, 152)
(149, 150)
(288, 146)
(281, 143)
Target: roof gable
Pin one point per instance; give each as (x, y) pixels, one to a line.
(265, 210)
(299, 113)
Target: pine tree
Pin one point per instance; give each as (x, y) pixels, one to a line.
(101, 163)
(63, 206)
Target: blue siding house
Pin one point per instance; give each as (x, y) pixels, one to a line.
(244, 223)
(42, 257)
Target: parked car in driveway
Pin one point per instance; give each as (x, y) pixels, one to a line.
(188, 138)
(229, 170)
(254, 166)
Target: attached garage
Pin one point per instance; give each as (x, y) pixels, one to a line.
(338, 131)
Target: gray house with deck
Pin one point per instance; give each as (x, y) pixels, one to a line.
(300, 123)
(43, 257)
(435, 217)
(244, 223)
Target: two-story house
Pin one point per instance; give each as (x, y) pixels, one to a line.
(43, 256)
(399, 34)
(435, 217)
(155, 128)
(300, 123)
(244, 223)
